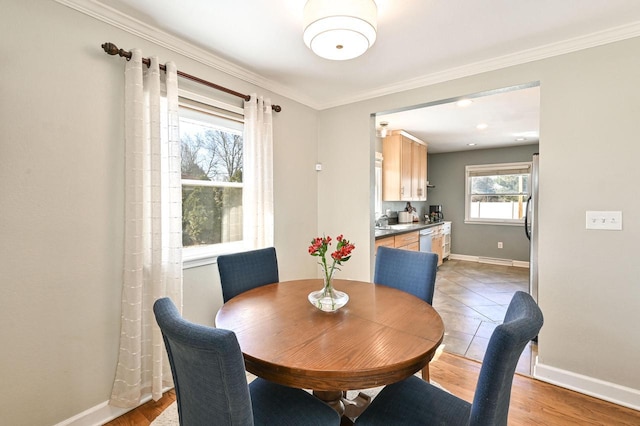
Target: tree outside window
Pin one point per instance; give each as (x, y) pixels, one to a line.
(211, 180)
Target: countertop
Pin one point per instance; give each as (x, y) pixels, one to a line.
(403, 228)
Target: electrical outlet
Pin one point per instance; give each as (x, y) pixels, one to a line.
(499, 244)
(607, 220)
(318, 167)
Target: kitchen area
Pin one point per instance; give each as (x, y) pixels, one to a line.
(427, 236)
(401, 178)
(420, 196)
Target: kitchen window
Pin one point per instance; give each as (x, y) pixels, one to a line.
(212, 158)
(497, 193)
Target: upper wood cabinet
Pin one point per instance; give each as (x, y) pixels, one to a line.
(404, 168)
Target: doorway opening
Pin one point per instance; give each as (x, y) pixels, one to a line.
(488, 262)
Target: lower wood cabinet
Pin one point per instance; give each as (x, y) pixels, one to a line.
(437, 240)
(387, 242)
(407, 241)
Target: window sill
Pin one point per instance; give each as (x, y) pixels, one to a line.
(194, 257)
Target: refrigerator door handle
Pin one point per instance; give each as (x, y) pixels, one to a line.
(526, 219)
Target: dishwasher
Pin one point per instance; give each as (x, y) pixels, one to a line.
(425, 239)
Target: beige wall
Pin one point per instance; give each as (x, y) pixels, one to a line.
(589, 289)
(61, 186)
(61, 213)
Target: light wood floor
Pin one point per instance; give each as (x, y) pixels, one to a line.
(532, 402)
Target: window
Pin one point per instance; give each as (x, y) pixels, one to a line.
(212, 158)
(497, 193)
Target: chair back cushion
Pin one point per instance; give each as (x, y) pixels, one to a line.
(522, 322)
(240, 272)
(208, 370)
(410, 271)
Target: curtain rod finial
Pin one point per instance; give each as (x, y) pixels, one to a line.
(110, 48)
(113, 50)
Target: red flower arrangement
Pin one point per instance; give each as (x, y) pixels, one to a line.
(320, 246)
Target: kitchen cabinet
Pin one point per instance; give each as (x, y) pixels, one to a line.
(387, 242)
(437, 239)
(404, 168)
(406, 241)
(419, 172)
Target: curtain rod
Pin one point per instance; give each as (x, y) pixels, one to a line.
(113, 50)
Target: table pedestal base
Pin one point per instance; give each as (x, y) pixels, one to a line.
(348, 409)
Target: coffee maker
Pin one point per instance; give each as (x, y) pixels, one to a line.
(435, 213)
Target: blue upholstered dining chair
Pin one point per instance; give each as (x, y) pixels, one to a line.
(240, 272)
(211, 384)
(416, 402)
(411, 271)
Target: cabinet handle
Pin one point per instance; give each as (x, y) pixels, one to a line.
(402, 190)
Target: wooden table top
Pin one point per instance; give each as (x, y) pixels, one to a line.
(381, 336)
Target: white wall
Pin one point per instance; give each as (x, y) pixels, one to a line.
(61, 212)
(589, 289)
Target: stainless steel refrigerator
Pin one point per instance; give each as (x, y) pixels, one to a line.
(531, 226)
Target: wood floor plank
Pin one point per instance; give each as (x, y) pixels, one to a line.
(146, 413)
(532, 402)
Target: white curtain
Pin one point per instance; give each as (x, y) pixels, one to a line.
(257, 173)
(153, 227)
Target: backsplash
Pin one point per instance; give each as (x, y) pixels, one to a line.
(422, 207)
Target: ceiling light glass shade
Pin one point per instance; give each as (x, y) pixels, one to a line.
(340, 29)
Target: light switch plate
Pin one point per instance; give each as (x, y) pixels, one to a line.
(607, 220)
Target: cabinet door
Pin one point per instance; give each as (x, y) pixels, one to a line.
(406, 177)
(411, 247)
(436, 244)
(422, 173)
(415, 171)
(408, 239)
(387, 242)
(391, 160)
(404, 169)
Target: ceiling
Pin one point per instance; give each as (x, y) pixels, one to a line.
(419, 42)
(511, 116)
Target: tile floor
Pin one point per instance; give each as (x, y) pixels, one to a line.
(472, 299)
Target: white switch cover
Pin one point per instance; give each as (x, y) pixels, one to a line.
(611, 220)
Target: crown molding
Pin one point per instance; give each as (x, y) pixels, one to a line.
(108, 15)
(113, 17)
(530, 55)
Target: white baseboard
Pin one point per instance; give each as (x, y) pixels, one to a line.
(98, 415)
(607, 391)
(490, 260)
(102, 413)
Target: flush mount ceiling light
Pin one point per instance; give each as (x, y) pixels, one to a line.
(340, 29)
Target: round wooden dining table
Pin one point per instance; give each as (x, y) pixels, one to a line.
(381, 336)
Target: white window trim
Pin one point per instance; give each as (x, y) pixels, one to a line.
(467, 197)
(196, 256)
